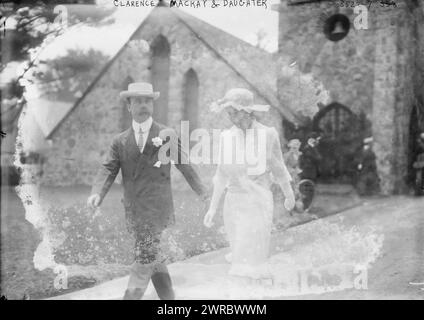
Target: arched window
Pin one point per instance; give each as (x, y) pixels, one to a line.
(160, 76)
(125, 119)
(191, 98)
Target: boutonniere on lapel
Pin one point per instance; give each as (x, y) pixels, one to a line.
(157, 142)
(164, 136)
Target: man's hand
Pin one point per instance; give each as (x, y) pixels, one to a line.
(93, 201)
(207, 221)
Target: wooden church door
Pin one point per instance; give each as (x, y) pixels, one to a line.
(341, 139)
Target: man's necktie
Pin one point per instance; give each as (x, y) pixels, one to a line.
(140, 140)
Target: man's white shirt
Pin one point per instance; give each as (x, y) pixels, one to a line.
(145, 128)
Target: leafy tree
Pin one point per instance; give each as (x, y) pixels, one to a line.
(71, 73)
(27, 26)
(301, 91)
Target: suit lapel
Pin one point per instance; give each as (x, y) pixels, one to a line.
(131, 147)
(149, 147)
(148, 150)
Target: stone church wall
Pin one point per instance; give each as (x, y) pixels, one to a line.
(372, 71)
(84, 137)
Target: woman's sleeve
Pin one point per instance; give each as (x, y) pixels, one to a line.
(276, 160)
(220, 175)
(220, 178)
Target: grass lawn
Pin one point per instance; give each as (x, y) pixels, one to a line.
(96, 246)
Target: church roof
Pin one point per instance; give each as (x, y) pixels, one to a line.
(261, 75)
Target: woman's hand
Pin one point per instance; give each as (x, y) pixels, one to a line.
(289, 203)
(93, 201)
(207, 221)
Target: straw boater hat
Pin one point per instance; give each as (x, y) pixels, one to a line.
(240, 99)
(139, 89)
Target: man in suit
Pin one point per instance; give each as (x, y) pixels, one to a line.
(308, 162)
(368, 182)
(148, 203)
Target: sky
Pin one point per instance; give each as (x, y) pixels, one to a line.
(242, 22)
(238, 21)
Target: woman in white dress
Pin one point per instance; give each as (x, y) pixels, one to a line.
(250, 161)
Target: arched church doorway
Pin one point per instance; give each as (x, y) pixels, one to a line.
(341, 134)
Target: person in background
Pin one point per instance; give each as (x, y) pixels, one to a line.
(310, 158)
(419, 166)
(291, 158)
(368, 182)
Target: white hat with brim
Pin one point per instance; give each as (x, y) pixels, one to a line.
(239, 99)
(139, 89)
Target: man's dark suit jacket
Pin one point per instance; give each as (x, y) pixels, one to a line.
(147, 189)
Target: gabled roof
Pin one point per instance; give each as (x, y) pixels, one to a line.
(260, 75)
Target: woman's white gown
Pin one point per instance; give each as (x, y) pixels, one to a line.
(324, 253)
(248, 205)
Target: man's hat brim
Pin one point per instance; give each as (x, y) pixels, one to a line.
(129, 94)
